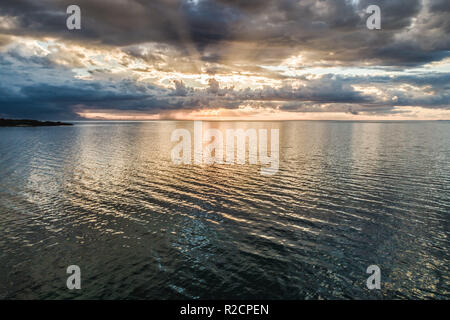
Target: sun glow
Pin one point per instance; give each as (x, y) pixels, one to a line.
(261, 114)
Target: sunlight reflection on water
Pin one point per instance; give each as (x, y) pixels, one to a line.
(107, 197)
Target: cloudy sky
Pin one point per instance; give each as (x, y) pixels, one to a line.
(225, 59)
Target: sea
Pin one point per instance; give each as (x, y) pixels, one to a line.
(107, 197)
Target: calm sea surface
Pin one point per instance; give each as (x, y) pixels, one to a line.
(106, 197)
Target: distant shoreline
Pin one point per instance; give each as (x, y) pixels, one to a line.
(259, 120)
(31, 123)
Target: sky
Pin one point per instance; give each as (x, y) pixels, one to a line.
(225, 59)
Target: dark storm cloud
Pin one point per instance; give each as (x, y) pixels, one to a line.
(26, 97)
(440, 6)
(278, 27)
(38, 88)
(61, 101)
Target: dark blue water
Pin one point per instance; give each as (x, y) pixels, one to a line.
(106, 197)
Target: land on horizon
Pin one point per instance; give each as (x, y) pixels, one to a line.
(30, 123)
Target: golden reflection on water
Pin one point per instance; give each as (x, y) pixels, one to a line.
(346, 195)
